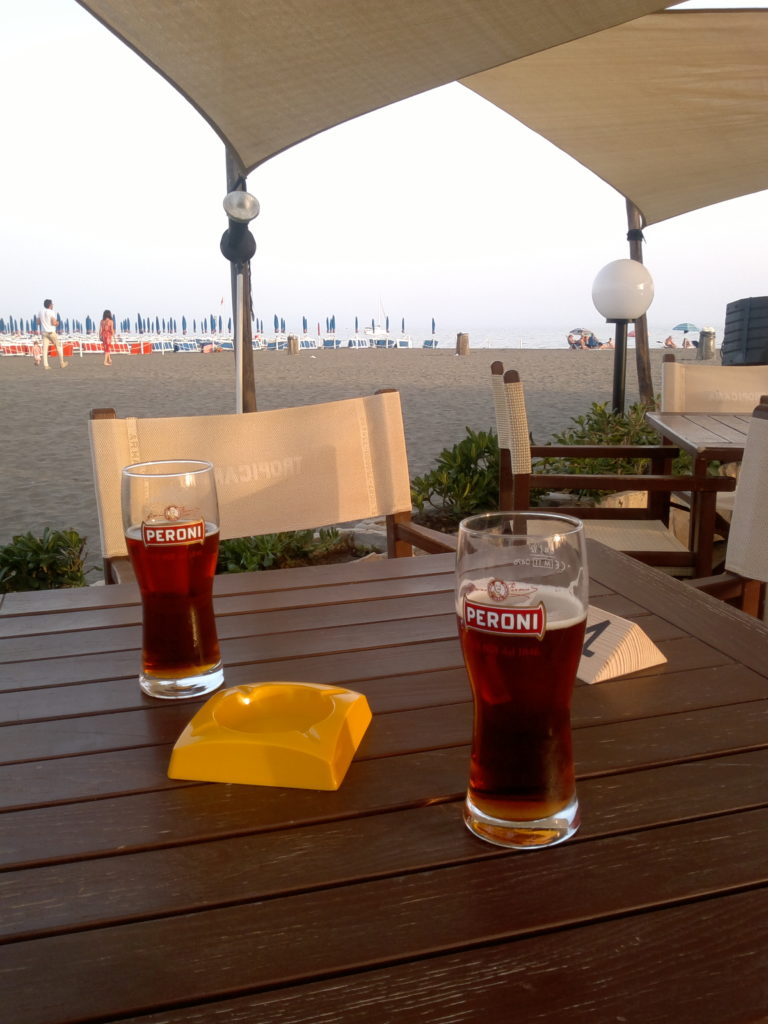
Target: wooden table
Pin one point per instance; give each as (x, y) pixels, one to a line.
(708, 437)
(129, 896)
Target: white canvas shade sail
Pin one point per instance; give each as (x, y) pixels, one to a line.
(671, 109)
(267, 74)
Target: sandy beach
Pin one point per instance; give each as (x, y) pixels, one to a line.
(44, 448)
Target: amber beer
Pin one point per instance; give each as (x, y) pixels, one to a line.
(171, 529)
(175, 565)
(522, 673)
(521, 604)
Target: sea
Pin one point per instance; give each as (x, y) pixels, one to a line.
(556, 337)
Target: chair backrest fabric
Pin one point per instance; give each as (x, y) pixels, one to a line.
(511, 417)
(692, 387)
(287, 469)
(747, 551)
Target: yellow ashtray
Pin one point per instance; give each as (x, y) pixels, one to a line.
(300, 735)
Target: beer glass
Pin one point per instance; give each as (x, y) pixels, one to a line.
(171, 523)
(521, 602)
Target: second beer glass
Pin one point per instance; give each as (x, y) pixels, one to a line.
(171, 522)
(521, 602)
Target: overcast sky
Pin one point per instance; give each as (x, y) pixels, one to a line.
(442, 205)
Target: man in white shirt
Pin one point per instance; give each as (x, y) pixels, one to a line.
(48, 324)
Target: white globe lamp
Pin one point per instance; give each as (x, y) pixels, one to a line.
(622, 292)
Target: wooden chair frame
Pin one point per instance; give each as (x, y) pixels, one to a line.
(515, 488)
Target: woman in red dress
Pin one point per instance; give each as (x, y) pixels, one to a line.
(107, 336)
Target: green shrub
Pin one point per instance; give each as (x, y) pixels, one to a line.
(603, 426)
(464, 481)
(287, 550)
(50, 562)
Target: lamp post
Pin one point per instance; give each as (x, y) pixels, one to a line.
(622, 292)
(238, 246)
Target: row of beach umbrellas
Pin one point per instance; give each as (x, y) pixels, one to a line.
(208, 324)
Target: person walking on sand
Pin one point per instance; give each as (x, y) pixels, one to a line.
(107, 335)
(49, 321)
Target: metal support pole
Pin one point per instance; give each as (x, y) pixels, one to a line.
(238, 337)
(619, 365)
(241, 300)
(642, 353)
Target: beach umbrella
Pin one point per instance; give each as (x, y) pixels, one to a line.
(333, 323)
(327, 325)
(282, 325)
(220, 324)
(387, 324)
(184, 325)
(373, 324)
(304, 324)
(2, 326)
(277, 323)
(402, 326)
(356, 327)
(229, 325)
(685, 327)
(433, 325)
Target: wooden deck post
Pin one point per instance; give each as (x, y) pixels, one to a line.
(462, 344)
(642, 354)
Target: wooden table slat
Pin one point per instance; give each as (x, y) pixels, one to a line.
(366, 600)
(74, 828)
(323, 635)
(180, 878)
(314, 578)
(28, 782)
(683, 964)
(276, 942)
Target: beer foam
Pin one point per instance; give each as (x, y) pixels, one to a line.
(563, 608)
